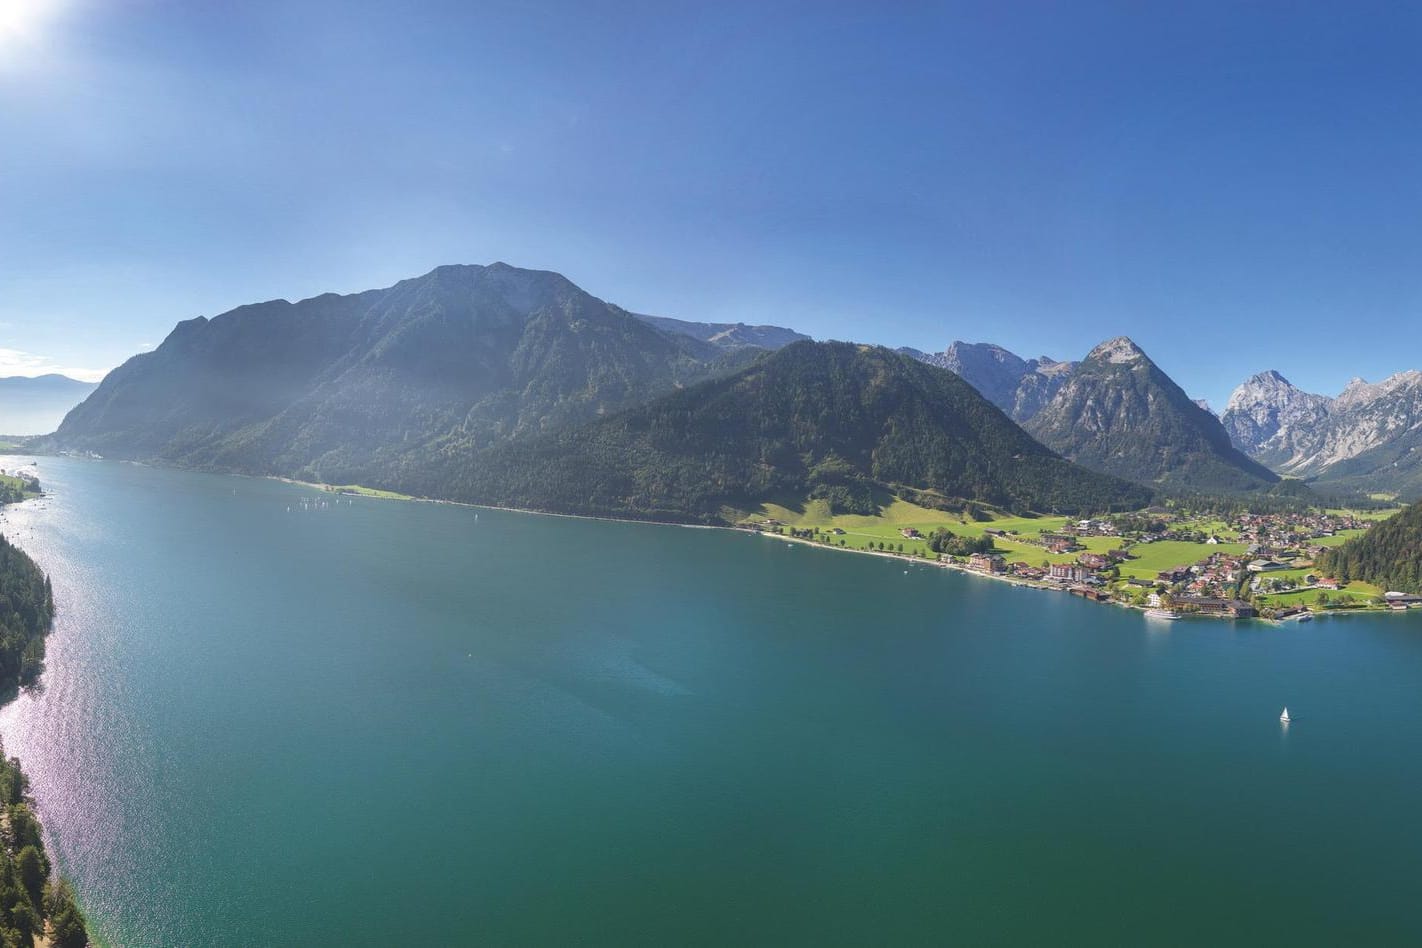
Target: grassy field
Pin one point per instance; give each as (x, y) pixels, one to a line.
(1339, 538)
(862, 532)
(16, 483)
(365, 491)
(1365, 514)
(1356, 591)
(1151, 558)
(868, 532)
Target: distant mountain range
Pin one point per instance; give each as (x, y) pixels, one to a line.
(31, 406)
(440, 385)
(1115, 411)
(1020, 387)
(728, 335)
(1367, 439)
(515, 386)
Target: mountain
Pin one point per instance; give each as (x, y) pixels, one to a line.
(1388, 555)
(727, 335)
(840, 421)
(31, 406)
(1275, 421)
(1367, 439)
(358, 388)
(1118, 412)
(1020, 387)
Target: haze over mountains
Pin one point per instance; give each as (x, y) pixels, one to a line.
(427, 386)
(36, 405)
(361, 387)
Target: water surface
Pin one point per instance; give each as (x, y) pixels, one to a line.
(395, 723)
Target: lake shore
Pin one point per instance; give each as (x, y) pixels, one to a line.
(357, 490)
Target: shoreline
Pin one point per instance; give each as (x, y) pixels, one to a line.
(376, 494)
(900, 557)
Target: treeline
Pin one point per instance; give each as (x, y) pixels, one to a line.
(1388, 555)
(32, 903)
(943, 540)
(14, 489)
(26, 611)
(1285, 497)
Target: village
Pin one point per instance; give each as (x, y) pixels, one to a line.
(1251, 565)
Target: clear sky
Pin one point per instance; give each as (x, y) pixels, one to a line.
(1236, 186)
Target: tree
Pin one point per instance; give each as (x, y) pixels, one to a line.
(34, 871)
(66, 923)
(24, 828)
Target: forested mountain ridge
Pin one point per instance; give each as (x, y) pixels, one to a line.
(1388, 555)
(841, 421)
(355, 388)
(1118, 412)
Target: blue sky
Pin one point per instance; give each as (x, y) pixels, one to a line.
(1235, 186)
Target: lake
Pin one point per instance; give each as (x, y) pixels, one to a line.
(375, 722)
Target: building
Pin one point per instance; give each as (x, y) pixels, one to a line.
(1068, 572)
(1235, 608)
(987, 563)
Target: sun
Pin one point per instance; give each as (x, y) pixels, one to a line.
(24, 21)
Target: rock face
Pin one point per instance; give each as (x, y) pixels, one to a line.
(1020, 387)
(1275, 421)
(1369, 438)
(1117, 412)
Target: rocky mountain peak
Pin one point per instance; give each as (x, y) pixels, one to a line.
(1119, 350)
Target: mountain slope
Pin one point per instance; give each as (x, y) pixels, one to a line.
(1020, 387)
(833, 420)
(354, 388)
(1388, 555)
(30, 406)
(1118, 412)
(1272, 420)
(727, 335)
(1367, 439)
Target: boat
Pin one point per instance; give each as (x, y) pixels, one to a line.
(1306, 617)
(1284, 718)
(1162, 614)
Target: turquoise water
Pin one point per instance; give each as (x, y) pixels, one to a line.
(394, 723)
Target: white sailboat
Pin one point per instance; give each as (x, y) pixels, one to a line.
(1284, 718)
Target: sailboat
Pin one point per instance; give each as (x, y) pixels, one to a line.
(1284, 718)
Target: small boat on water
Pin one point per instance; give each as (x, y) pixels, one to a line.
(1162, 614)
(1284, 718)
(1306, 617)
